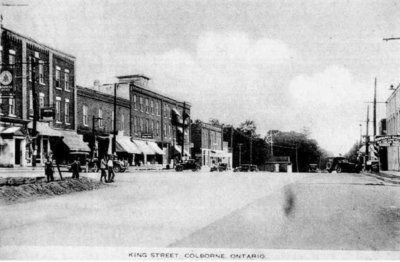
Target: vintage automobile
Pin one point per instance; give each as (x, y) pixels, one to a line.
(189, 164)
(313, 168)
(246, 168)
(220, 167)
(341, 164)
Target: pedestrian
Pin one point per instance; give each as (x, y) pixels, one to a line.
(103, 165)
(48, 169)
(75, 168)
(110, 165)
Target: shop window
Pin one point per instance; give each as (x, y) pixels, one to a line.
(85, 115)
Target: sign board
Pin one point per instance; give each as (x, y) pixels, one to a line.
(47, 113)
(6, 82)
(5, 78)
(147, 135)
(389, 140)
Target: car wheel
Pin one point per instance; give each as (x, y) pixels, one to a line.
(338, 169)
(117, 169)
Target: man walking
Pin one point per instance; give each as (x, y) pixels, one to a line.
(110, 165)
(103, 165)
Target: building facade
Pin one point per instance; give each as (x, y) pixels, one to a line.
(393, 128)
(208, 145)
(147, 134)
(43, 77)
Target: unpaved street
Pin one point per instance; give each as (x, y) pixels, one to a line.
(214, 210)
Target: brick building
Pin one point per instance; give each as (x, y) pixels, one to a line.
(54, 76)
(208, 145)
(147, 134)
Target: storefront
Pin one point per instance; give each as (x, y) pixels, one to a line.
(126, 149)
(214, 157)
(13, 146)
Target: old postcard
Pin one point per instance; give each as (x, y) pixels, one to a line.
(199, 129)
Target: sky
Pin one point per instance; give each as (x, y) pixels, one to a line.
(286, 65)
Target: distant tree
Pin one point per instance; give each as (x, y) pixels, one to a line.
(214, 122)
(352, 154)
(248, 127)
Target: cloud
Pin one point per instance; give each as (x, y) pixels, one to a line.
(331, 102)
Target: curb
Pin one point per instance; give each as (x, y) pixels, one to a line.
(385, 179)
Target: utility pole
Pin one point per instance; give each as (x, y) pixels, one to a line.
(232, 139)
(360, 134)
(35, 111)
(240, 154)
(375, 110)
(297, 161)
(272, 145)
(251, 148)
(366, 140)
(183, 129)
(115, 119)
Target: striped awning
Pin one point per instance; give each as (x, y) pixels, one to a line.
(155, 147)
(144, 148)
(44, 129)
(74, 141)
(124, 144)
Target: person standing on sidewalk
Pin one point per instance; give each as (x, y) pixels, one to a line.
(103, 165)
(48, 169)
(75, 168)
(110, 165)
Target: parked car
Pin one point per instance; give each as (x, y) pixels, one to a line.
(341, 164)
(220, 167)
(189, 164)
(120, 166)
(313, 168)
(246, 168)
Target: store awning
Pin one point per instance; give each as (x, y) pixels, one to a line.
(124, 144)
(45, 130)
(179, 150)
(144, 148)
(74, 141)
(156, 148)
(12, 130)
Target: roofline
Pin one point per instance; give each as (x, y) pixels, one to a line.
(161, 95)
(40, 44)
(130, 76)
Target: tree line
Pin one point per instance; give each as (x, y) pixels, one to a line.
(249, 147)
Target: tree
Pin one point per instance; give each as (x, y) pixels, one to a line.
(248, 127)
(214, 122)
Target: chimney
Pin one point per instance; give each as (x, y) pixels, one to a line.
(96, 85)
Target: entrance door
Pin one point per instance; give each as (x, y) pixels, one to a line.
(18, 152)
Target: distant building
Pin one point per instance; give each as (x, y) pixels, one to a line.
(147, 134)
(393, 128)
(55, 90)
(208, 145)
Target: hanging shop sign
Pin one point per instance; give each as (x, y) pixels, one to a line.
(6, 83)
(47, 113)
(390, 140)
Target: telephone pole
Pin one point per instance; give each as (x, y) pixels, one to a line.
(366, 140)
(35, 111)
(375, 109)
(240, 154)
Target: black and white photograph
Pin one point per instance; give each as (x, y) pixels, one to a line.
(199, 129)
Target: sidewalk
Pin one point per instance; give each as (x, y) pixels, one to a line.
(387, 176)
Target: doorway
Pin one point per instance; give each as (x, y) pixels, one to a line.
(18, 151)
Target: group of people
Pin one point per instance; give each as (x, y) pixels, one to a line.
(106, 163)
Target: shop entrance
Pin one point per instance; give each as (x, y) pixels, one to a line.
(18, 152)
